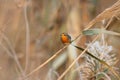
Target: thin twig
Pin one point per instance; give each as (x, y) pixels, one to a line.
(6, 49)
(27, 36)
(1, 44)
(14, 54)
(107, 26)
(51, 58)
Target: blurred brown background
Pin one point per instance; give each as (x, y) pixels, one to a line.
(30, 31)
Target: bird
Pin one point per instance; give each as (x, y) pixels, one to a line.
(65, 38)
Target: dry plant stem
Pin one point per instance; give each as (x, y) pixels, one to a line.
(64, 73)
(113, 71)
(107, 64)
(101, 17)
(91, 24)
(106, 14)
(6, 49)
(111, 19)
(27, 36)
(108, 78)
(14, 54)
(77, 37)
(51, 58)
(103, 62)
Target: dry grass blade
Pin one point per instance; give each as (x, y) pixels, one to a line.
(77, 37)
(106, 14)
(51, 58)
(27, 37)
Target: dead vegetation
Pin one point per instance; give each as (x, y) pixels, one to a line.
(30, 47)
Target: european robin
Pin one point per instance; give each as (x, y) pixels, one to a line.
(65, 38)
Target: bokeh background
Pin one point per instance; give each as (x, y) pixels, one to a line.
(30, 33)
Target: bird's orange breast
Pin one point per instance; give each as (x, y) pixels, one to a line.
(65, 39)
